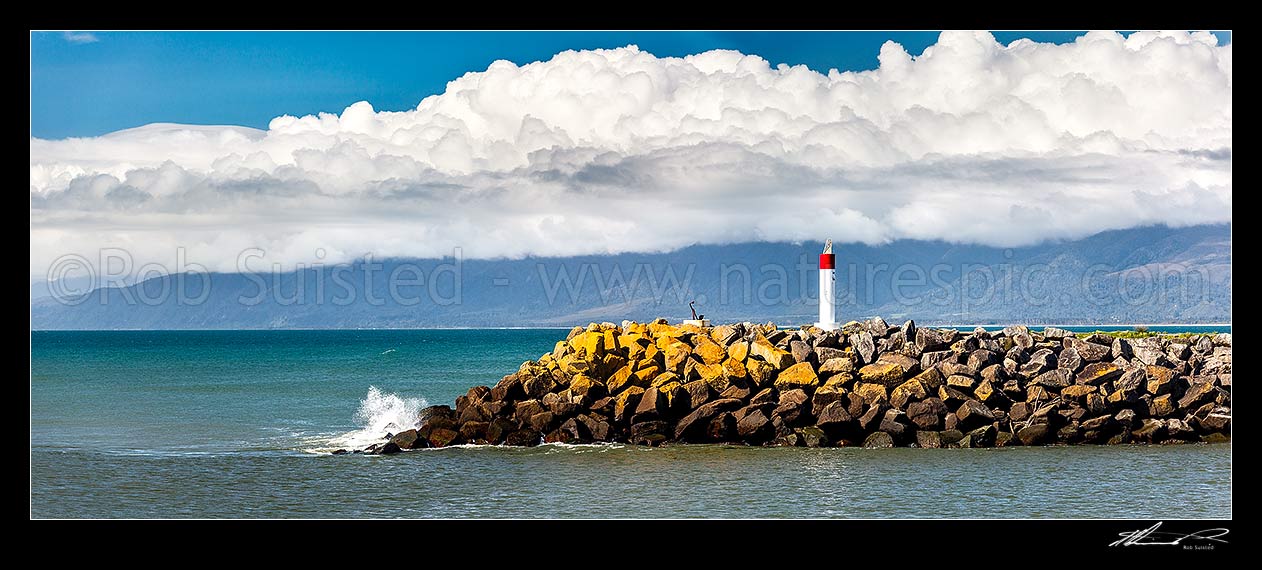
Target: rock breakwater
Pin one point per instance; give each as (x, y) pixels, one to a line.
(870, 384)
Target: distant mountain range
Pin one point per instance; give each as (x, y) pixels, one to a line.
(1144, 275)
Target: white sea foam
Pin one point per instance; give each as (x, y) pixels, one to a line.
(380, 413)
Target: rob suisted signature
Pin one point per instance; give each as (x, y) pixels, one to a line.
(1153, 537)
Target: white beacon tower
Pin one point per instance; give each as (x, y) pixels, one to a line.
(827, 289)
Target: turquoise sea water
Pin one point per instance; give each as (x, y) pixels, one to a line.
(236, 423)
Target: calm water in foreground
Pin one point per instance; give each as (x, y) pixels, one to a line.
(238, 423)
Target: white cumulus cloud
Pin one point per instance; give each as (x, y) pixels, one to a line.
(618, 150)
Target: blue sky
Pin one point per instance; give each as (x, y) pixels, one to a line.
(81, 87)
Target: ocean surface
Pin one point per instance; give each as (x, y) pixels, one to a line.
(208, 424)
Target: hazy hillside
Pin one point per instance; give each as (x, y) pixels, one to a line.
(1154, 274)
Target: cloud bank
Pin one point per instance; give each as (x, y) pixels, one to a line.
(611, 151)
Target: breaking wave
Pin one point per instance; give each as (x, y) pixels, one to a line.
(380, 414)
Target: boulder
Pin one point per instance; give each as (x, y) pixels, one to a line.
(599, 429)
(1099, 373)
(1069, 360)
(886, 374)
(1096, 403)
(722, 428)
(877, 326)
(1040, 361)
(754, 427)
(864, 346)
(948, 369)
(928, 439)
(693, 426)
(498, 429)
(981, 358)
(908, 330)
(408, 439)
(907, 392)
(1129, 387)
(813, 437)
(1088, 351)
(626, 403)
(760, 373)
(927, 414)
(1126, 418)
(653, 404)
(387, 448)
(878, 439)
(1199, 393)
(677, 355)
(837, 367)
(1121, 348)
(1218, 420)
(995, 374)
(871, 418)
(790, 439)
(542, 422)
(1070, 433)
(1150, 431)
(575, 431)
(764, 397)
(1161, 380)
(931, 379)
(799, 375)
(725, 335)
(961, 382)
(1053, 333)
(952, 396)
(1053, 379)
(473, 432)
(709, 351)
(928, 360)
(973, 414)
(989, 395)
(737, 392)
(1019, 412)
(908, 364)
(651, 433)
(833, 416)
(983, 436)
(895, 423)
(696, 393)
(929, 340)
(825, 353)
(1180, 430)
(763, 349)
(800, 350)
(523, 438)
(1149, 351)
(1097, 423)
(1078, 393)
(1034, 434)
(590, 389)
(792, 406)
(826, 395)
(1161, 406)
(871, 393)
(441, 437)
(1006, 439)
